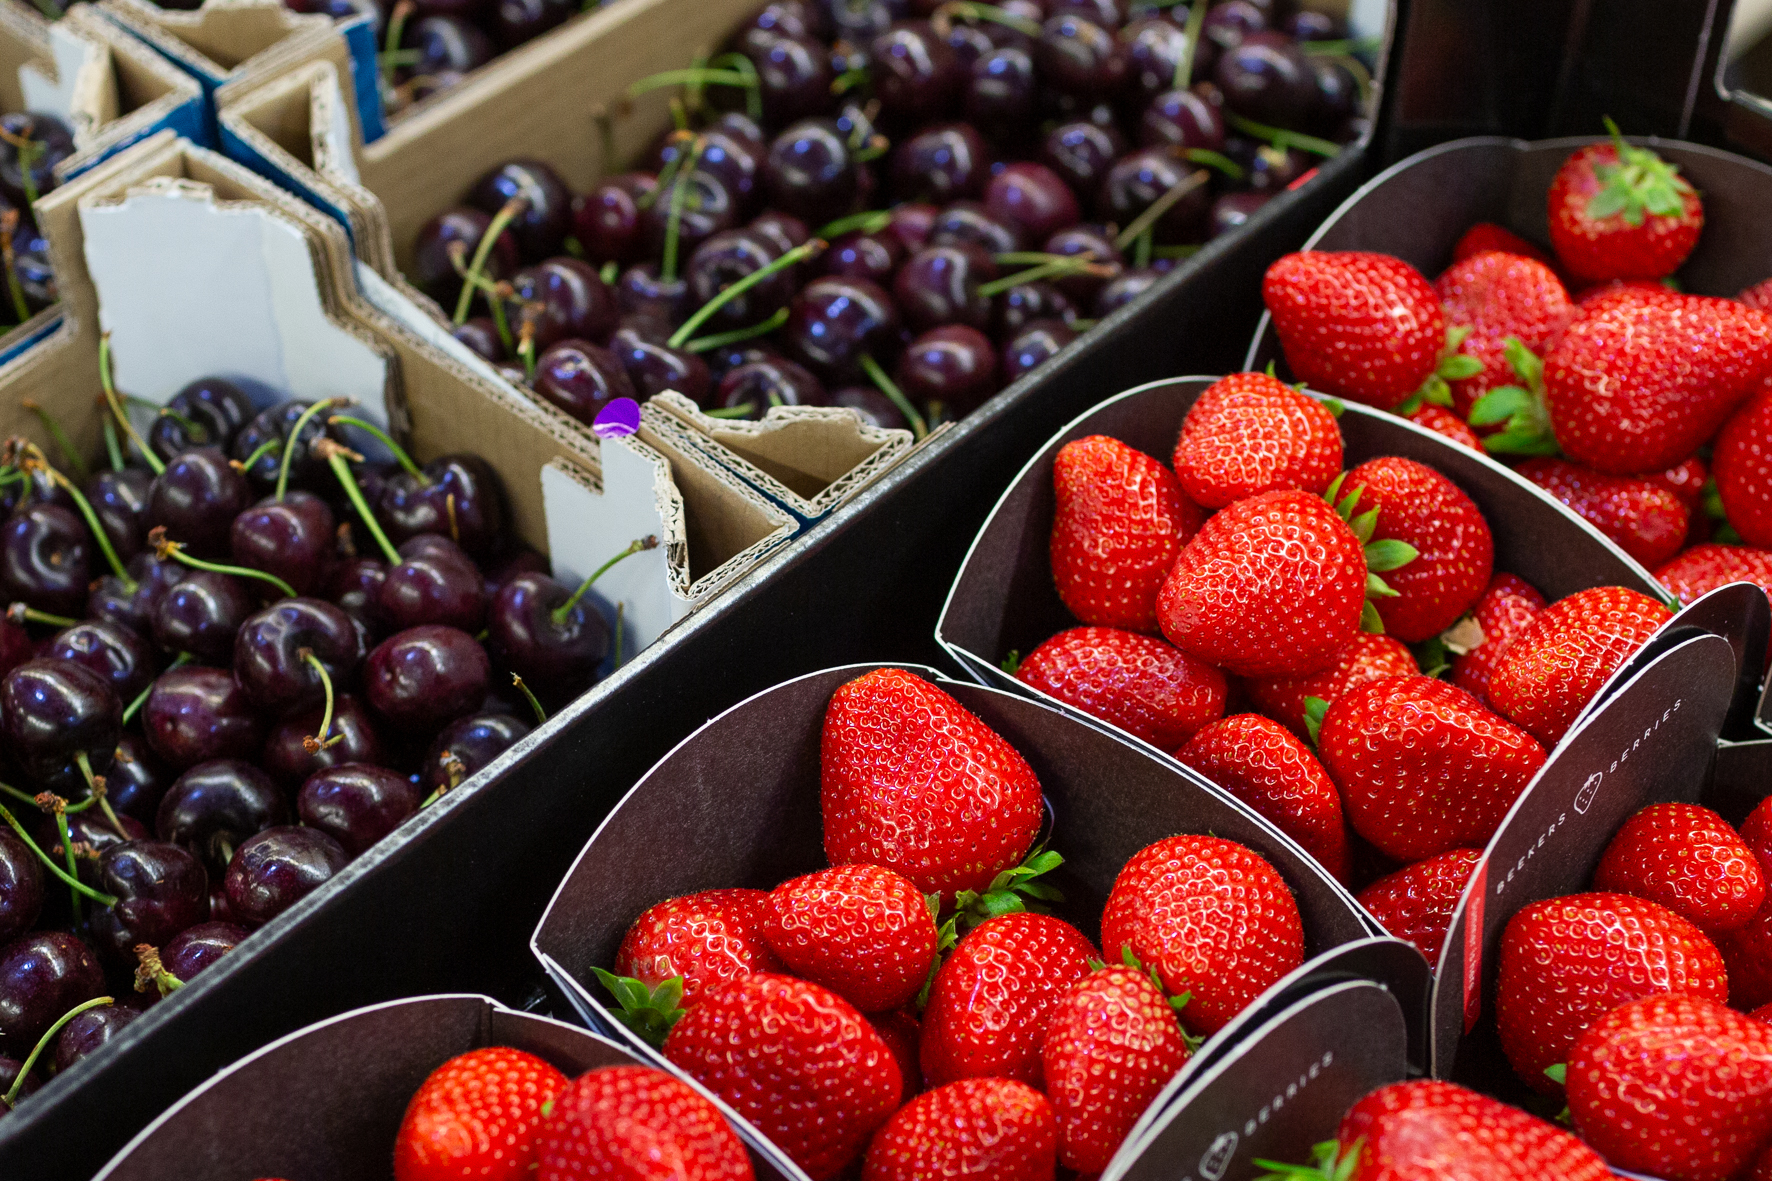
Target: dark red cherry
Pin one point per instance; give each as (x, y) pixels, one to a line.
(16, 645)
(120, 501)
(427, 676)
(1338, 94)
(161, 889)
(433, 267)
(278, 868)
(351, 739)
(466, 745)
(706, 207)
(1002, 92)
(916, 74)
(446, 45)
(459, 497)
(793, 74)
(291, 538)
(1267, 79)
(480, 334)
(21, 887)
(1082, 152)
(1138, 180)
(541, 228)
(1184, 119)
(1306, 25)
(968, 41)
(968, 223)
(92, 829)
(557, 657)
(940, 163)
(792, 18)
(653, 368)
(1092, 242)
(273, 425)
(89, 1032)
(218, 408)
(860, 19)
(562, 297)
(196, 500)
(1033, 199)
(195, 948)
(355, 586)
(782, 232)
(46, 558)
(606, 221)
(1154, 48)
(1025, 303)
(54, 711)
(36, 142)
(1124, 288)
(126, 660)
(11, 1067)
(200, 614)
(911, 223)
(517, 21)
(1232, 210)
(1034, 345)
(133, 606)
(873, 406)
(1269, 169)
(762, 384)
(435, 582)
(272, 647)
(834, 322)
(356, 804)
(195, 714)
(731, 154)
(42, 976)
(811, 172)
(1080, 58)
(940, 285)
(954, 365)
(643, 290)
(1109, 14)
(1227, 24)
(469, 10)
(136, 781)
(581, 378)
(864, 256)
(215, 806)
(728, 257)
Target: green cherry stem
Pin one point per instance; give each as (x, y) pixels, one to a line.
(21, 614)
(871, 222)
(95, 784)
(890, 388)
(541, 715)
(109, 388)
(1075, 264)
(293, 439)
(507, 213)
(399, 452)
(67, 840)
(258, 453)
(55, 432)
(166, 549)
(970, 10)
(24, 1070)
(335, 454)
(793, 257)
(192, 426)
(650, 541)
(1281, 138)
(720, 340)
(1159, 207)
(325, 738)
(1184, 69)
(111, 448)
(667, 267)
(92, 522)
(141, 699)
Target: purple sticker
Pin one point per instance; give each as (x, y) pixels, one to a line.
(620, 417)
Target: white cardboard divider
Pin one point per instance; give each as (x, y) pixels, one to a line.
(81, 92)
(586, 528)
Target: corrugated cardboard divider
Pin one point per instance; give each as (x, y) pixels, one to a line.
(808, 459)
(326, 1101)
(737, 804)
(221, 38)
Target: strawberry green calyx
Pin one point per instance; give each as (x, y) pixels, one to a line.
(1519, 409)
(1330, 1163)
(1177, 1004)
(1452, 366)
(1010, 892)
(947, 935)
(1640, 184)
(1314, 709)
(649, 1013)
(1012, 662)
(1382, 556)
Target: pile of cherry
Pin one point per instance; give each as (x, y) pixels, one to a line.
(228, 667)
(31, 145)
(895, 215)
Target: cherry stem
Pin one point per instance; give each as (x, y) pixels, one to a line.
(890, 388)
(335, 456)
(399, 452)
(165, 549)
(96, 785)
(92, 523)
(722, 339)
(62, 442)
(192, 427)
(24, 1070)
(1184, 69)
(695, 75)
(1281, 138)
(110, 394)
(21, 614)
(258, 453)
(111, 448)
(67, 840)
(668, 174)
(1074, 264)
(650, 541)
(667, 267)
(293, 440)
(726, 295)
(968, 10)
(325, 738)
(14, 288)
(141, 699)
(871, 222)
(507, 213)
(1160, 206)
(752, 85)
(541, 715)
(149, 970)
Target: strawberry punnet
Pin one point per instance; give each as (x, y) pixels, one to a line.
(863, 932)
(1742, 464)
(1688, 859)
(1211, 917)
(1507, 606)
(1640, 515)
(1618, 211)
(1675, 1086)
(982, 1129)
(476, 1115)
(628, 1121)
(1704, 568)
(794, 1059)
(1454, 552)
(1142, 684)
(1565, 962)
(1498, 296)
(1257, 760)
(1422, 766)
(1119, 521)
(1250, 433)
(1369, 657)
(912, 781)
(1416, 903)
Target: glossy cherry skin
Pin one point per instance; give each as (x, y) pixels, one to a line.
(200, 614)
(606, 221)
(460, 498)
(46, 558)
(940, 285)
(707, 206)
(1082, 152)
(873, 406)
(1109, 14)
(557, 659)
(1124, 288)
(21, 887)
(520, 559)
(271, 649)
(1154, 48)
(435, 582)
(195, 714)
(910, 224)
(480, 335)
(355, 587)
(1021, 305)
(120, 501)
(1080, 58)
(954, 365)
(728, 257)
(53, 140)
(541, 228)
(793, 18)
(653, 368)
(137, 780)
(1002, 92)
(941, 163)
(473, 741)
(1337, 97)
(433, 268)
(42, 976)
(278, 868)
(16, 646)
(1232, 210)
(1184, 119)
(88, 1032)
(291, 538)
(352, 739)
(161, 889)
(54, 710)
(356, 804)
(113, 651)
(856, 255)
(197, 947)
(217, 407)
(811, 172)
(916, 74)
(1269, 169)
(196, 500)
(31, 264)
(581, 378)
(783, 233)
(834, 322)
(427, 676)
(763, 384)
(793, 74)
(1034, 345)
(643, 290)
(1033, 199)
(968, 223)
(134, 607)
(215, 806)
(274, 424)
(10, 1068)
(562, 297)
(1138, 180)
(1228, 23)
(93, 829)
(1267, 79)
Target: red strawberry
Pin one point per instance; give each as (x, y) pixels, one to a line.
(994, 994)
(1211, 917)
(980, 1129)
(1422, 766)
(1553, 668)
(862, 931)
(1742, 464)
(1112, 1044)
(1747, 953)
(1271, 585)
(1434, 1131)
(901, 1031)
(1416, 903)
(1119, 522)
(1566, 962)
(1141, 684)
(1676, 1086)
(1762, 1170)
(1686, 481)
(1443, 422)
(1758, 296)
(1250, 433)
(1496, 296)
(794, 1059)
(1454, 552)
(1642, 517)
(1507, 606)
(910, 780)
(476, 1115)
(708, 939)
(634, 1121)
(1756, 834)
(1630, 290)
(1704, 568)
(1259, 762)
(1640, 381)
(1366, 659)
(1688, 859)
(1365, 327)
(1486, 235)
(1622, 212)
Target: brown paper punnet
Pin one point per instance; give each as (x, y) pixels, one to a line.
(326, 1101)
(737, 804)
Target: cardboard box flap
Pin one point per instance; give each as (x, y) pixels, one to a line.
(57, 70)
(142, 91)
(219, 38)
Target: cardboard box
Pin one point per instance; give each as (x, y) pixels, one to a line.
(326, 1101)
(684, 828)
